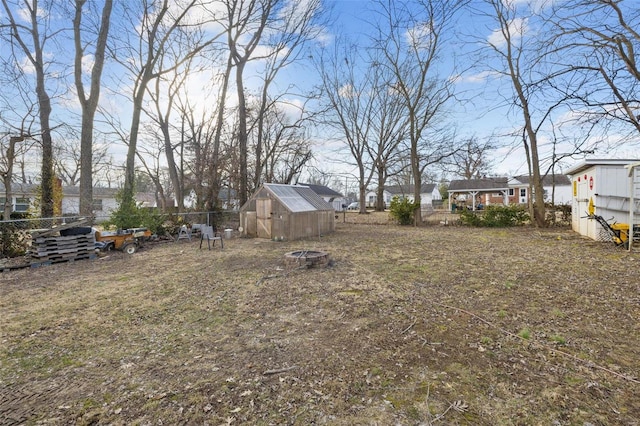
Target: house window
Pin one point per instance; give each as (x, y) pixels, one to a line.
(22, 204)
(96, 206)
(523, 192)
(512, 192)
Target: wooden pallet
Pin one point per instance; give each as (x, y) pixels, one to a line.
(61, 259)
(50, 249)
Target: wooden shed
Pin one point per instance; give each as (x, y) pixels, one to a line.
(286, 212)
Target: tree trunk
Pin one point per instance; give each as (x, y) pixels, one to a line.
(242, 134)
(89, 105)
(171, 165)
(380, 190)
(86, 164)
(46, 202)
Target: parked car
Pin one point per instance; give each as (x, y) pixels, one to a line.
(354, 206)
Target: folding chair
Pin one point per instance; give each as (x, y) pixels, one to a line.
(207, 233)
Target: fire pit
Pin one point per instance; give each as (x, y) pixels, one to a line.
(310, 258)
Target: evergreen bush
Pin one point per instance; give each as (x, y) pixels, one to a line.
(496, 216)
(402, 209)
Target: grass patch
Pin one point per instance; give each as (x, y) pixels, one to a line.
(191, 336)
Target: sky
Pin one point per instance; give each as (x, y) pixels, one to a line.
(481, 114)
(478, 115)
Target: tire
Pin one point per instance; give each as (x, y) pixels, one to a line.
(130, 248)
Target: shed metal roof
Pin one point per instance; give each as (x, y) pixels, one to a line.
(591, 162)
(297, 198)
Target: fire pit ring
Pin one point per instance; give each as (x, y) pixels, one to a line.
(310, 258)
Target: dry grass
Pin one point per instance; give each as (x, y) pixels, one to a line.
(433, 325)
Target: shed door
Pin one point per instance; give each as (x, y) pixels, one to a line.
(583, 211)
(263, 213)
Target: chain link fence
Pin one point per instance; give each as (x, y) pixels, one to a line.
(218, 219)
(15, 234)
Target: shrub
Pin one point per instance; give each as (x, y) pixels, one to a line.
(402, 209)
(127, 215)
(130, 214)
(496, 216)
(13, 242)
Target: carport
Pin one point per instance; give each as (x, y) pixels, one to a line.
(495, 191)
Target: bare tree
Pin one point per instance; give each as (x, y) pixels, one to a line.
(349, 90)
(389, 129)
(11, 146)
(149, 157)
(198, 136)
(279, 144)
(161, 23)
(601, 39)
(246, 22)
(88, 102)
(30, 39)
(68, 159)
(472, 160)
(519, 61)
(17, 141)
(296, 25)
(163, 105)
(410, 39)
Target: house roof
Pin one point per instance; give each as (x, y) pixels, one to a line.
(548, 180)
(321, 190)
(408, 189)
(69, 191)
(591, 162)
(297, 198)
(489, 184)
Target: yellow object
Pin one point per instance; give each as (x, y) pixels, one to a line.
(592, 208)
(622, 230)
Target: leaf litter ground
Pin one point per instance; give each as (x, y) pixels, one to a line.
(431, 325)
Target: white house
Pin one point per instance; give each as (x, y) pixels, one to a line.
(607, 185)
(429, 193)
(557, 189)
(104, 200)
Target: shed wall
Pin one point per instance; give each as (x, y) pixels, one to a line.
(608, 186)
(285, 225)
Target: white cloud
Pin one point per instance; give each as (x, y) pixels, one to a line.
(420, 35)
(87, 64)
(26, 66)
(480, 77)
(23, 14)
(346, 91)
(516, 29)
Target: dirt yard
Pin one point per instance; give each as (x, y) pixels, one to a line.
(436, 325)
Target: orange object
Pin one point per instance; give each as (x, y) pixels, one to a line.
(127, 240)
